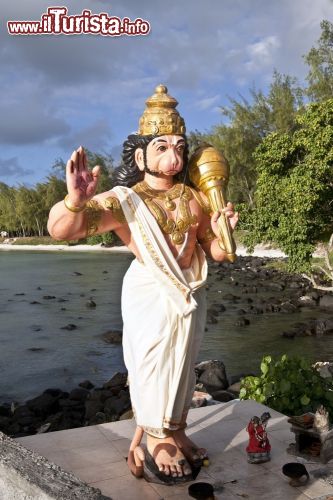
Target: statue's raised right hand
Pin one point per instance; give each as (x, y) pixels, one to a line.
(81, 182)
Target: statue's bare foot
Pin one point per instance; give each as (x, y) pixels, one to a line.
(168, 457)
(191, 451)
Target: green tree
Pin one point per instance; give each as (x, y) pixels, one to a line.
(320, 61)
(248, 124)
(8, 216)
(105, 161)
(293, 199)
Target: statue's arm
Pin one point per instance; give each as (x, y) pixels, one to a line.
(83, 213)
(101, 214)
(208, 233)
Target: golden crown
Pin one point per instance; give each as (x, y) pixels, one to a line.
(160, 116)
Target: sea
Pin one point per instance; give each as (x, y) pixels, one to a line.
(51, 337)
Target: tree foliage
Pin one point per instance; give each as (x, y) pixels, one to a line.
(248, 123)
(320, 62)
(289, 385)
(294, 195)
(24, 211)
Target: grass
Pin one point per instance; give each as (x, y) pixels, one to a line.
(41, 240)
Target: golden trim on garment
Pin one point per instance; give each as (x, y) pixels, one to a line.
(94, 214)
(113, 204)
(209, 236)
(185, 291)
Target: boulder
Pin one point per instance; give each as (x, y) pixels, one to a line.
(212, 375)
(113, 337)
(43, 405)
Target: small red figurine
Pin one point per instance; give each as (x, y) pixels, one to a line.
(258, 449)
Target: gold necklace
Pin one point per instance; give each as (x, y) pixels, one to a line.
(178, 228)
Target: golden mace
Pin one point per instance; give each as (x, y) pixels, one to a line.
(209, 172)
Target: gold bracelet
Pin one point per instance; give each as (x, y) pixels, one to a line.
(73, 208)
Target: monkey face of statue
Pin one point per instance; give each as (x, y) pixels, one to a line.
(164, 155)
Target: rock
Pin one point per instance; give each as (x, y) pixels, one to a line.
(43, 405)
(35, 349)
(118, 379)
(86, 384)
(289, 334)
(34, 302)
(211, 320)
(323, 327)
(49, 297)
(306, 300)
(223, 396)
(275, 286)
(115, 406)
(113, 337)
(212, 375)
(76, 273)
(69, 327)
(5, 410)
(91, 304)
(92, 407)
(78, 394)
(231, 297)
(255, 310)
(242, 322)
(127, 415)
(218, 307)
(325, 368)
(235, 388)
(288, 307)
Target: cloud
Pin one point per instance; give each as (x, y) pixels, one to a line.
(208, 102)
(28, 123)
(10, 167)
(262, 52)
(95, 137)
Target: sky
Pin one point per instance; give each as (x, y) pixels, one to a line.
(58, 92)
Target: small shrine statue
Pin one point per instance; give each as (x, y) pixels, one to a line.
(321, 420)
(258, 449)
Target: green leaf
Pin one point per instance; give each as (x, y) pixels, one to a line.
(242, 393)
(305, 400)
(285, 386)
(264, 368)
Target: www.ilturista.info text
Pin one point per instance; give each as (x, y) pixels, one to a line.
(57, 21)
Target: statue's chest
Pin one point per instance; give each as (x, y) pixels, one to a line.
(174, 210)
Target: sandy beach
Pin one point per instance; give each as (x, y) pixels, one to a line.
(259, 251)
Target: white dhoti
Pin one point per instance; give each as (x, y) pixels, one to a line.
(164, 315)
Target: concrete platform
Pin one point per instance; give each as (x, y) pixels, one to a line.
(96, 455)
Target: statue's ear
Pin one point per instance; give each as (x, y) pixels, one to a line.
(139, 159)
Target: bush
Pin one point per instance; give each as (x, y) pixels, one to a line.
(290, 385)
(107, 239)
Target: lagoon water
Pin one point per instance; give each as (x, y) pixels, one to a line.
(37, 353)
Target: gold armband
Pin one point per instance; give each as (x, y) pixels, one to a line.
(94, 214)
(73, 208)
(113, 204)
(209, 236)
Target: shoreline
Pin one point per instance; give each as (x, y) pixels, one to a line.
(259, 251)
(263, 250)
